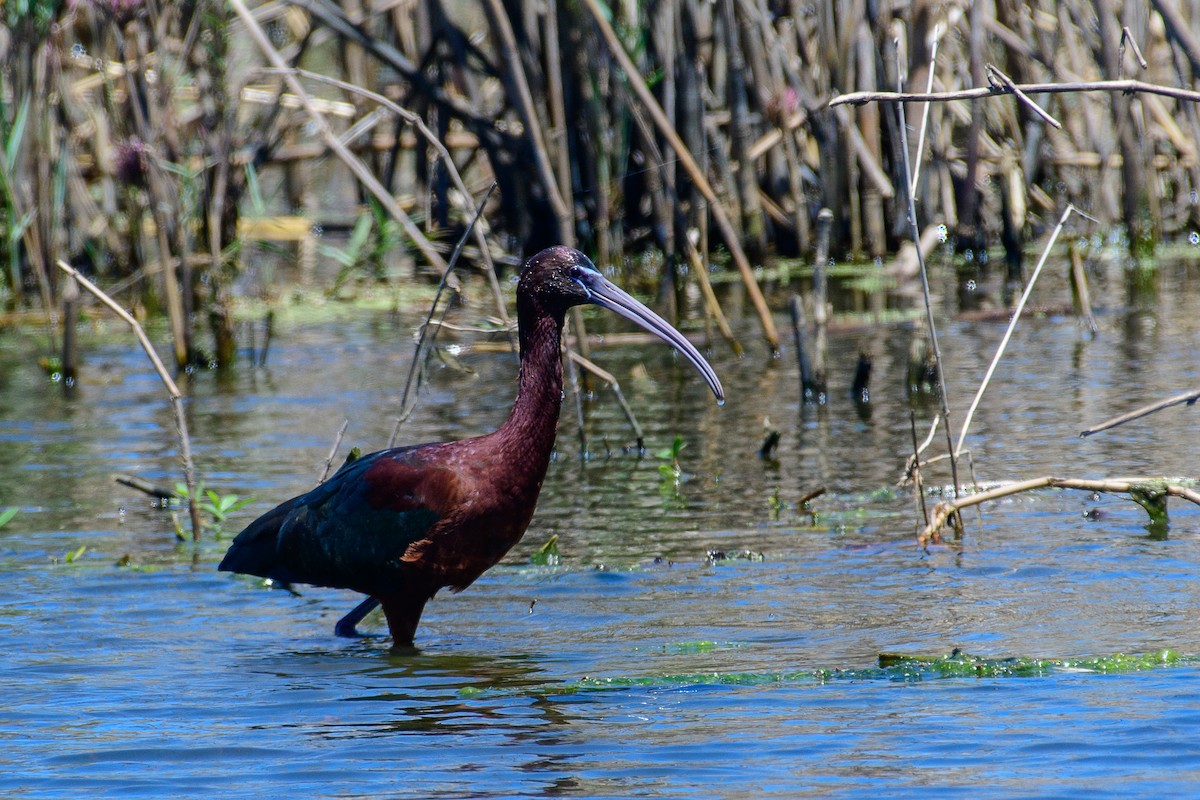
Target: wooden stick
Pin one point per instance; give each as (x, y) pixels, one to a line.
(915, 232)
(1005, 81)
(185, 444)
(1127, 37)
(942, 511)
(1012, 324)
(1079, 286)
(937, 38)
(1122, 86)
(1189, 398)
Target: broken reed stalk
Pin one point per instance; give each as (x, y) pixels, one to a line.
(710, 297)
(942, 511)
(1079, 290)
(1012, 324)
(611, 380)
(698, 177)
(406, 408)
(337, 442)
(820, 301)
(1188, 398)
(1126, 86)
(915, 232)
(185, 444)
(807, 385)
(937, 38)
(334, 143)
(915, 469)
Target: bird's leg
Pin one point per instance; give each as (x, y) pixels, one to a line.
(403, 611)
(347, 625)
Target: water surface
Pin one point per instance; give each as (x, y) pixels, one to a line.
(638, 665)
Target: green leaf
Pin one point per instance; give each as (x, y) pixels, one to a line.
(254, 188)
(6, 515)
(16, 133)
(547, 554)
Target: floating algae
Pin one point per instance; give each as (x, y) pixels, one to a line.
(892, 667)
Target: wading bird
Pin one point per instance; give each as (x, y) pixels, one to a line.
(400, 524)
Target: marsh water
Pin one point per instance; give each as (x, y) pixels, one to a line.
(638, 663)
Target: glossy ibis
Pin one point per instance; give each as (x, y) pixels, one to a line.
(400, 524)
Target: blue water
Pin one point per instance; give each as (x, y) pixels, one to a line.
(137, 670)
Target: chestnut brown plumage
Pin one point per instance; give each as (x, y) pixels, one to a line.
(400, 524)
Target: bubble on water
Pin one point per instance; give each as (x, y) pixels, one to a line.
(970, 285)
(943, 233)
(1194, 237)
(55, 377)
(78, 50)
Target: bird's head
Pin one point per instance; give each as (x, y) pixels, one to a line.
(561, 277)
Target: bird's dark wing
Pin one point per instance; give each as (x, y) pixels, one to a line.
(353, 530)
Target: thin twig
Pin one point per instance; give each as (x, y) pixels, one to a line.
(1189, 398)
(1127, 36)
(1005, 81)
(185, 444)
(937, 39)
(405, 408)
(1125, 86)
(915, 471)
(1012, 324)
(811, 495)
(916, 238)
(611, 380)
(942, 511)
(337, 442)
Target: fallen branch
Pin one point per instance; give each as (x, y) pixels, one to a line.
(185, 444)
(1127, 86)
(1189, 398)
(146, 487)
(1134, 488)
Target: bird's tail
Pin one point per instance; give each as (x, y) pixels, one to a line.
(255, 551)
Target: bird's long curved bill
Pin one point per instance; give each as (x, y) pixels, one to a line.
(608, 295)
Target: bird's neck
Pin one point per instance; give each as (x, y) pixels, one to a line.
(529, 431)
